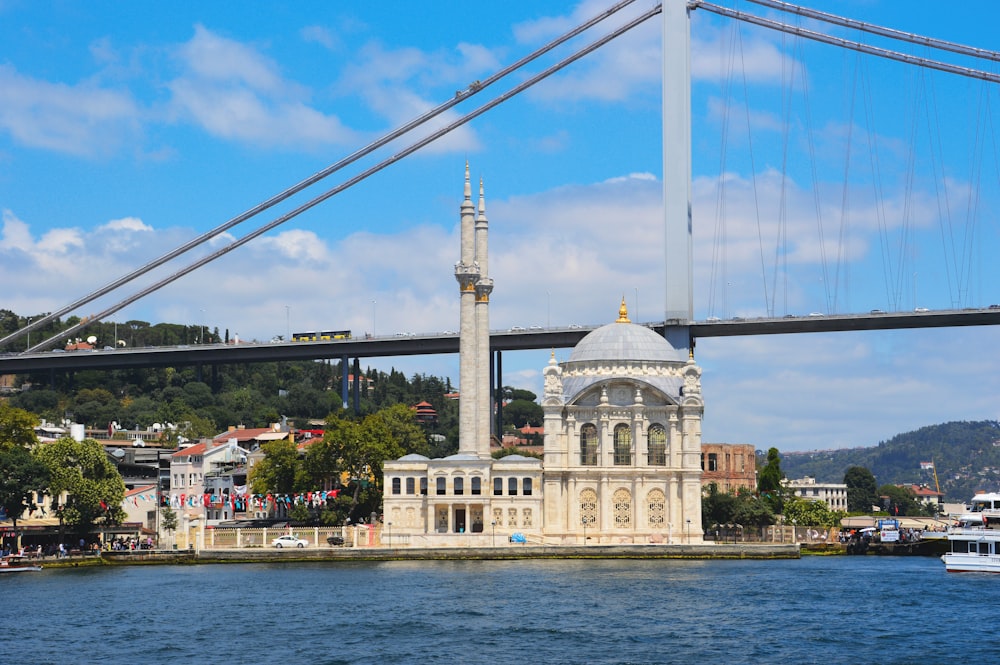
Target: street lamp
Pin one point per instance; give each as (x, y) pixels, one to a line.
(388, 537)
(288, 325)
(494, 525)
(373, 318)
(689, 531)
(202, 327)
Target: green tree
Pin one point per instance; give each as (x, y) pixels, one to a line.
(403, 429)
(300, 514)
(500, 453)
(278, 470)
(521, 412)
(752, 512)
(17, 428)
(93, 486)
(769, 481)
(21, 475)
(717, 507)
(902, 501)
(168, 519)
(804, 512)
(862, 490)
(361, 449)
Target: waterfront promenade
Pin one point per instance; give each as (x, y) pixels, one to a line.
(509, 552)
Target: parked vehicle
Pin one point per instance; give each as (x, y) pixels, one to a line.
(289, 541)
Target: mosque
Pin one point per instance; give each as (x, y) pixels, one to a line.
(622, 449)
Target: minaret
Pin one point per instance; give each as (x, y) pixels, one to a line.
(484, 287)
(467, 274)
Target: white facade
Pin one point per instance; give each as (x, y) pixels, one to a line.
(623, 440)
(622, 453)
(834, 495)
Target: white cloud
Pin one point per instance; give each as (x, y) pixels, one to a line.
(319, 35)
(16, 234)
(234, 92)
(81, 119)
(126, 224)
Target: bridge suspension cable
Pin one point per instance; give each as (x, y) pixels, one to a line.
(459, 97)
(845, 43)
(593, 46)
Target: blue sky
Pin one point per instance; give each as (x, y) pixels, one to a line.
(128, 128)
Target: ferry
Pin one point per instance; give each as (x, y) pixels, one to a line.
(973, 542)
(15, 563)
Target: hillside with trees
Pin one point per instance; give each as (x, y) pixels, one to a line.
(965, 454)
(203, 401)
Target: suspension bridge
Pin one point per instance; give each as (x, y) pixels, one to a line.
(678, 322)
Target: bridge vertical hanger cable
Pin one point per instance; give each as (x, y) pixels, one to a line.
(719, 280)
(963, 266)
(753, 173)
(972, 207)
(878, 193)
(781, 234)
(459, 97)
(593, 46)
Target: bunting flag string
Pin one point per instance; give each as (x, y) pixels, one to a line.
(241, 500)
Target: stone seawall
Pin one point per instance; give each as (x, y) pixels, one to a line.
(252, 555)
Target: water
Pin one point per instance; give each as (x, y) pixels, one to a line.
(814, 610)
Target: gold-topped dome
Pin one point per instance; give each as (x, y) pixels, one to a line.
(623, 313)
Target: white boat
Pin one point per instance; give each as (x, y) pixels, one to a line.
(974, 543)
(15, 563)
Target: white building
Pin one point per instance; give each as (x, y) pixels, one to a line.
(834, 495)
(622, 453)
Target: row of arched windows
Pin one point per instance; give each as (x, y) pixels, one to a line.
(656, 445)
(514, 486)
(621, 508)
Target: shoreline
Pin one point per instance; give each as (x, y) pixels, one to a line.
(527, 552)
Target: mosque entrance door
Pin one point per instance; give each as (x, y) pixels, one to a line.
(460, 520)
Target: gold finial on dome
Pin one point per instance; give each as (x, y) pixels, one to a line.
(623, 313)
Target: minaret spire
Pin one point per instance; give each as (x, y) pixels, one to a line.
(484, 286)
(467, 275)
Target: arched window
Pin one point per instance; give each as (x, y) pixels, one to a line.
(441, 486)
(477, 486)
(588, 508)
(512, 486)
(459, 484)
(526, 487)
(622, 504)
(588, 445)
(657, 443)
(656, 504)
(623, 445)
(410, 486)
(395, 485)
(498, 487)
(423, 486)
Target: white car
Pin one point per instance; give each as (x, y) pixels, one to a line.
(289, 541)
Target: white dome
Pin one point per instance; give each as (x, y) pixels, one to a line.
(625, 342)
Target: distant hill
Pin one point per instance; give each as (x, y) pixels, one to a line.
(966, 454)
